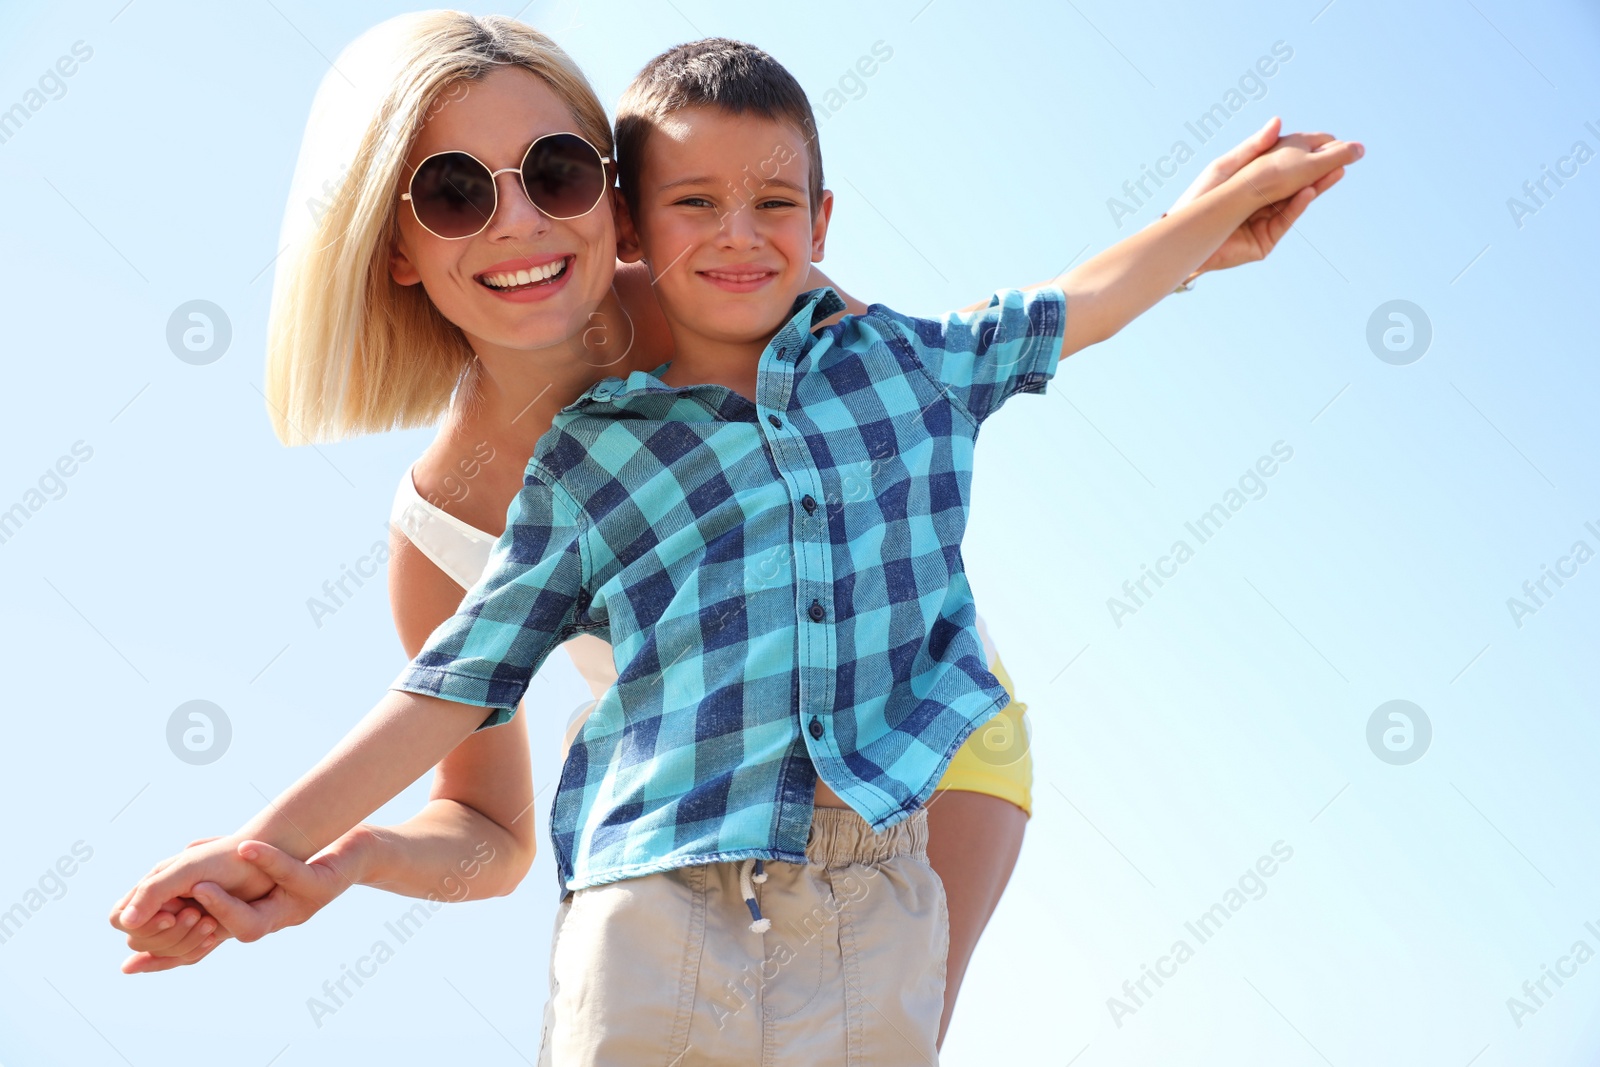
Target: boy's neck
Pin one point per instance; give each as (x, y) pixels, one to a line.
(699, 360)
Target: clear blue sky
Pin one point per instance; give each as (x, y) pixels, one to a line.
(1175, 745)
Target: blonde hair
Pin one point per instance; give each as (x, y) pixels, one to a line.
(349, 350)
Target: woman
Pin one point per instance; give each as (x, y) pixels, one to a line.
(380, 321)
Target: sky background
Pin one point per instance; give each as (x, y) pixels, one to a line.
(1174, 746)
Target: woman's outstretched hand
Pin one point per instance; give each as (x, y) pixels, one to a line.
(174, 937)
(1260, 233)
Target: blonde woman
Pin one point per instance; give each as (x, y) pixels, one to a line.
(459, 268)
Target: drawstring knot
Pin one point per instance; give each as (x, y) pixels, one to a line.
(752, 870)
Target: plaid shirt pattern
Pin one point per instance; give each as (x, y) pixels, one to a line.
(781, 582)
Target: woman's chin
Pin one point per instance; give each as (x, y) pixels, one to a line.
(568, 315)
(525, 336)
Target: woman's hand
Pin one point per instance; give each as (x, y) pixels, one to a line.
(1260, 233)
(300, 890)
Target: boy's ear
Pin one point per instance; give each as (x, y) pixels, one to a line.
(628, 247)
(401, 269)
(819, 225)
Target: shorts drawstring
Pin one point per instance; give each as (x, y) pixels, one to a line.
(746, 890)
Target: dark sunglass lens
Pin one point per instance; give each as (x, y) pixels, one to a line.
(453, 195)
(564, 176)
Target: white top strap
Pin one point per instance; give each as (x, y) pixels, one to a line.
(458, 549)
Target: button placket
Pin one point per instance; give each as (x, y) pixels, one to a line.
(814, 573)
(812, 562)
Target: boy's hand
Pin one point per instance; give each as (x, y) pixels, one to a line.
(1238, 221)
(214, 860)
(1260, 233)
(159, 944)
(180, 929)
(1296, 163)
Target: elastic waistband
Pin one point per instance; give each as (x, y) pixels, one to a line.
(840, 837)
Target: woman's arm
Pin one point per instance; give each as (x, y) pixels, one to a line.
(852, 306)
(482, 795)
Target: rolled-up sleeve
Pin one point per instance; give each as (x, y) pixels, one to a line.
(524, 605)
(982, 358)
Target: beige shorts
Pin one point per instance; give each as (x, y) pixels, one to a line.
(665, 969)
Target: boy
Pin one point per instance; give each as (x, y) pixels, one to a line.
(768, 531)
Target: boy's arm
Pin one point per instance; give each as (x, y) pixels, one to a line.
(394, 745)
(482, 658)
(399, 739)
(1115, 287)
(448, 851)
(481, 792)
(1120, 284)
(1249, 242)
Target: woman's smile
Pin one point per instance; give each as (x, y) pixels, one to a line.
(526, 280)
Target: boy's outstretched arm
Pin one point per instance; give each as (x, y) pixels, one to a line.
(1120, 284)
(399, 739)
(473, 839)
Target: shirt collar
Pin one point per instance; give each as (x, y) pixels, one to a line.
(808, 308)
(815, 304)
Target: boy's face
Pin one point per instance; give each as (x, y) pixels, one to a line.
(725, 223)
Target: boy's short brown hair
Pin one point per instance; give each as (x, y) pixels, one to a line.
(714, 72)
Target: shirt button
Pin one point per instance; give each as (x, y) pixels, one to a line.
(816, 728)
(782, 352)
(809, 503)
(776, 422)
(817, 612)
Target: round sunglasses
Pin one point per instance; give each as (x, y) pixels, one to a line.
(454, 195)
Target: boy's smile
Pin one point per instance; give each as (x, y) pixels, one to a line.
(745, 278)
(725, 222)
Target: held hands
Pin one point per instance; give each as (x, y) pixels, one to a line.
(294, 891)
(213, 860)
(1282, 174)
(180, 929)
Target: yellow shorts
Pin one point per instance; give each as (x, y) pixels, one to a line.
(996, 758)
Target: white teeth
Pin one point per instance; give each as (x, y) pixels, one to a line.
(508, 280)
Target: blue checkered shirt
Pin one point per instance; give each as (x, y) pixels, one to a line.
(781, 582)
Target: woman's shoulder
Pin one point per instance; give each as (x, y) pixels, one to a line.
(469, 476)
